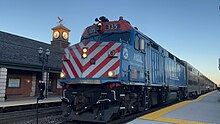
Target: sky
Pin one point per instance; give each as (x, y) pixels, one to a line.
(190, 29)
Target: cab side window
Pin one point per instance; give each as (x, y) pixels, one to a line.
(139, 43)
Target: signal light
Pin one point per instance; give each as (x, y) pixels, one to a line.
(84, 52)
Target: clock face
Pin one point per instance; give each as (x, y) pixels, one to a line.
(65, 35)
(56, 34)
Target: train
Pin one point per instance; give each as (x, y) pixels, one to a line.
(116, 70)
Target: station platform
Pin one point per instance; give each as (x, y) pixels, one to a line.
(203, 110)
(29, 101)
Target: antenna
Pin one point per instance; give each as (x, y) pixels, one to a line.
(60, 20)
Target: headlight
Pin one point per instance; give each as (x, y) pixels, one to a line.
(111, 73)
(62, 75)
(99, 24)
(84, 55)
(84, 52)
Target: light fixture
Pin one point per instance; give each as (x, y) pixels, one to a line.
(84, 52)
(111, 73)
(99, 24)
(84, 55)
(62, 75)
(113, 54)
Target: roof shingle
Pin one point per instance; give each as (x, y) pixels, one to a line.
(23, 51)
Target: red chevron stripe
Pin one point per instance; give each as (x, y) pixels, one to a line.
(98, 55)
(101, 65)
(72, 69)
(93, 47)
(79, 49)
(85, 43)
(75, 59)
(111, 68)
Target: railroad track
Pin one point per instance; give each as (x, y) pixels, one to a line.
(17, 116)
(56, 112)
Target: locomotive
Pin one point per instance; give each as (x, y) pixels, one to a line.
(116, 70)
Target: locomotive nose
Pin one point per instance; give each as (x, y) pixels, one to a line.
(93, 59)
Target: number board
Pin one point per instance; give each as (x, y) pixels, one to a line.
(112, 26)
(91, 30)
(107, 27)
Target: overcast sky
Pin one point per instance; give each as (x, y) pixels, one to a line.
(190, 29)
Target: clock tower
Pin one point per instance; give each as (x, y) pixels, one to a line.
(60, 36)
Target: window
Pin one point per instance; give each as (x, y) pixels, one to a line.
(118, 37)
(139, 43)
(155, 46)
(112, 36)
(136, 42)
(171, 56)
(14, 82)
(142, 44)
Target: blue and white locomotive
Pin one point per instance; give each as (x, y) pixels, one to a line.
(115, 70)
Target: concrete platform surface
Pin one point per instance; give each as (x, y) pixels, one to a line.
(29, 101)
(203, 110)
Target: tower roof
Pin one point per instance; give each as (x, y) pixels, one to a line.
(60, 26)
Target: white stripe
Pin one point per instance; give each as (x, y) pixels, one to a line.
(100, 60)
(106, 68)
(68, 70)
(78, 56)
(75, 66)
(95, 52)
(88, 45)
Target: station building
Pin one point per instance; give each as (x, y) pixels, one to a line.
(20, 66)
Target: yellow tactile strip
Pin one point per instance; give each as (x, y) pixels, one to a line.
(156, 116)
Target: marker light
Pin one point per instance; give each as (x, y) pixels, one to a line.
(113, 54)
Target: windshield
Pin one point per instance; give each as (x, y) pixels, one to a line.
(118, 37)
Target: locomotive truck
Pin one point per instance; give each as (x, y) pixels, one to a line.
(116, 70)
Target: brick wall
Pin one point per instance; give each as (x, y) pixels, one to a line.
(25, 84)
(29, 84)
